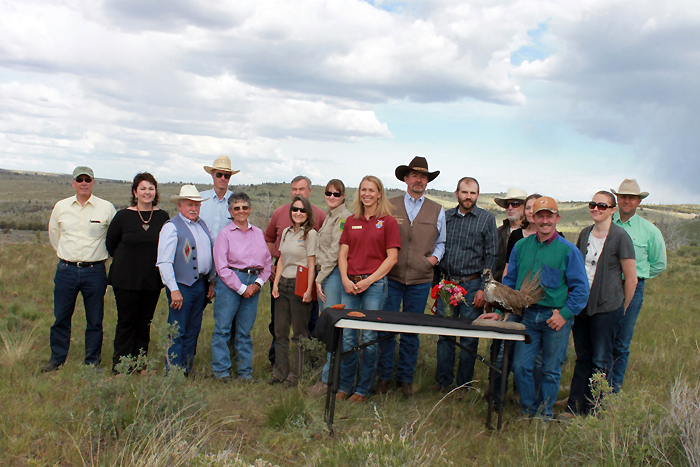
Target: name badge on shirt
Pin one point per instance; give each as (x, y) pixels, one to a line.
(356, 227)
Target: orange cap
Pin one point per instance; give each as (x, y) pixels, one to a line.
(545, 203)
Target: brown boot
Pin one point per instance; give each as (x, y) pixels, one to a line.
(407, 389)
(382, 387)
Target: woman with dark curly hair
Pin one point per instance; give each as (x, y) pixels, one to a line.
(132, 241)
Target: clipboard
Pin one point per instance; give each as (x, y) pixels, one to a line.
(302, 283)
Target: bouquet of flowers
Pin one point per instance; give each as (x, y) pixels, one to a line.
(450, 293)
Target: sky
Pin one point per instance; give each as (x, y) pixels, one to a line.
(560, 97)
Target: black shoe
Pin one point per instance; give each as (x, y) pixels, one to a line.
(49, 367)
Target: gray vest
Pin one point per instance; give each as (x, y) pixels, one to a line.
(185, 263)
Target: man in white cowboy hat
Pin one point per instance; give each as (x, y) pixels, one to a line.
(77, 230)
(514, 204)
(214, 210)
(422, 227)
(186, 268)
(650, 253)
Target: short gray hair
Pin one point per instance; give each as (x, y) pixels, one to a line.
(239, 196)
(299, 178)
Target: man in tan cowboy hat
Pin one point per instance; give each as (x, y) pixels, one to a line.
(650, 253)
(186, 268)
(215, 210)
(422, 227)
(514, 204)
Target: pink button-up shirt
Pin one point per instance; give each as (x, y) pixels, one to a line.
(235, 248)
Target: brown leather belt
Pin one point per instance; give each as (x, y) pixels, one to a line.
(459, 279)
(358, 278)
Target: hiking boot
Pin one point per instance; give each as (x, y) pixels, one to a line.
(407, 389)
(49, 367)
(382, 387)
(317, 389)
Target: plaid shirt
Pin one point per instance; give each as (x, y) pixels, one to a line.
(471, 242)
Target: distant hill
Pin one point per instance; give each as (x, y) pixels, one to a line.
(27, 198)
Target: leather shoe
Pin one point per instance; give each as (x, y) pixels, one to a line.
(407, 389)
(49, 367)
(382, 387)
(341, 396)
(357, 398)
(438, 388)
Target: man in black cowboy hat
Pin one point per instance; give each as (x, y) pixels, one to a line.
(422, 226)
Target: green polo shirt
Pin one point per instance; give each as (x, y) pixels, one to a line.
(649, 245)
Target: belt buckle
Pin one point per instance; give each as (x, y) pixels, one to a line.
(80, 264)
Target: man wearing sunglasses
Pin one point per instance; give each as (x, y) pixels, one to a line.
(214, 211)
(514, 204)
(301, 185)
(650, 253)
(77, 230)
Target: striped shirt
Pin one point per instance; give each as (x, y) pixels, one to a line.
(471, 242)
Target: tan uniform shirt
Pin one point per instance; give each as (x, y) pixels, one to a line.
(294, 250)
(77, 233)
(328, 247)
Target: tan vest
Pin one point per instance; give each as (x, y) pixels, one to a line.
(417, 242)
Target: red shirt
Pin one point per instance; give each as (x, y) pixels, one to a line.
(368, 241)
(280, 220)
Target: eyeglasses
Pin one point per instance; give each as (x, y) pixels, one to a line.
(221, 174)
(296, 209)
(83, 178)
(332, 193)
(601, 206)
(514, 203)
(240, 208)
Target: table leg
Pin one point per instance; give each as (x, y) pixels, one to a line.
(492, 385)
(334, 382)
(504, 382)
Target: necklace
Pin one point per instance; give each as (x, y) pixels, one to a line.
(145, 222)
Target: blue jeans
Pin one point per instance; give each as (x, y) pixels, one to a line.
(414, 298)
(227, 307)
(189, 320)
(593, 340)
(91, 282)
(333, 290)
(371, 299)
(623, 338)
(444, 373)
(551, 343)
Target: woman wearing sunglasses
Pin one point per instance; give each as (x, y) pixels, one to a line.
(243, 264)
(328, 282)
(132, 241)
(297, 248)
(609, 254)
(369, 248)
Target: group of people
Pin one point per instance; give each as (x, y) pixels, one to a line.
(382, 254)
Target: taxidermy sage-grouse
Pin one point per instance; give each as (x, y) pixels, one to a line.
(507, 300)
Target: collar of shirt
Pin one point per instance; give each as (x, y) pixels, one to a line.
(233, 226)
(412, 205)
(459, 213)
(336, 210)
(618, 221)
(549, 240)
(89, 200)
(187, 221)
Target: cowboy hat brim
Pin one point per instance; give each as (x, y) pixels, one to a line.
(642, 194)
(403, 170)
(209, 170)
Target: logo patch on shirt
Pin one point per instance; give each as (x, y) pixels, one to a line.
(380, 224)
(342, 225)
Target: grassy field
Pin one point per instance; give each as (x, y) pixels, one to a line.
(77, 416)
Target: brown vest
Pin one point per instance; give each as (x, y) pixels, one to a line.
(417, 242)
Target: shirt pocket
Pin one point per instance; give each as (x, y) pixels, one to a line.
(550, 277)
